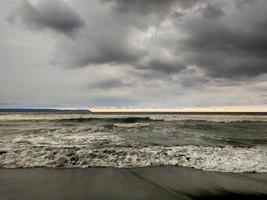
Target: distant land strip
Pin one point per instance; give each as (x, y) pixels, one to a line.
(41, 110)
(86, 111)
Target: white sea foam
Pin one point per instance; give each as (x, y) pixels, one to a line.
(211, 118)
(226, 159)
(131, 125)
(120, 143)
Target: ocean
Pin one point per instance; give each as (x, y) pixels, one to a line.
(222, 143)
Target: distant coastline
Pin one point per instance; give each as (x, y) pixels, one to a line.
(87, 111)
(40, 110)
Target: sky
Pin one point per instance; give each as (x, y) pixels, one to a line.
(133, 53)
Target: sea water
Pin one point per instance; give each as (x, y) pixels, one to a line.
(224, 143)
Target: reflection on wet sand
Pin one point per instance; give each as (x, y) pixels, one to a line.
(142, 183)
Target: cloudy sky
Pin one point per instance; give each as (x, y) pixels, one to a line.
(133, 53)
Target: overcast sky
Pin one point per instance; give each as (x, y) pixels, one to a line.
(136, 53)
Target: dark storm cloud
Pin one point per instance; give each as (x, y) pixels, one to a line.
(225, 39)
(234, 46)
(49, 14)
(143, 6)
(213, 11)
(117, 54)
(109, 35)
(110, 84)
(241, 3)
(152, 6)
(165, 66)
(192, 77)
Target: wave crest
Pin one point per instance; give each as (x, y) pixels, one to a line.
(226, 159)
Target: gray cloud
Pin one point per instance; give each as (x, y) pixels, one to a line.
(188, 51)
(203, 38)
(209, 41)
(152, 6)
(163, 66)
(109, 38)
(213, 11)
(110, 84)
(50, 14)
(228, 49)
(144, 7)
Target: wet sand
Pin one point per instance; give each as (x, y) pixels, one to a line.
(140, 183)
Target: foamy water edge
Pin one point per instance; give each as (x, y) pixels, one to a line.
(226, 159)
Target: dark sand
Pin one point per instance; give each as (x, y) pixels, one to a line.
(143, 183)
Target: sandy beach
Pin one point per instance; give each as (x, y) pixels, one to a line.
(139, 183)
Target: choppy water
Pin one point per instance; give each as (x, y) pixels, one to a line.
(226, 143)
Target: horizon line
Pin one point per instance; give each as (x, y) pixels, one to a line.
(260, 109)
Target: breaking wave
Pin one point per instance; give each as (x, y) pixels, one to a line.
(131, 125)
(227, 159)
(90, 147)
(212, 143)
(133, 118)
(110, 120)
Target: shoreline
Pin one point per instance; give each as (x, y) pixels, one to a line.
(135, 183)
(130, 168)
